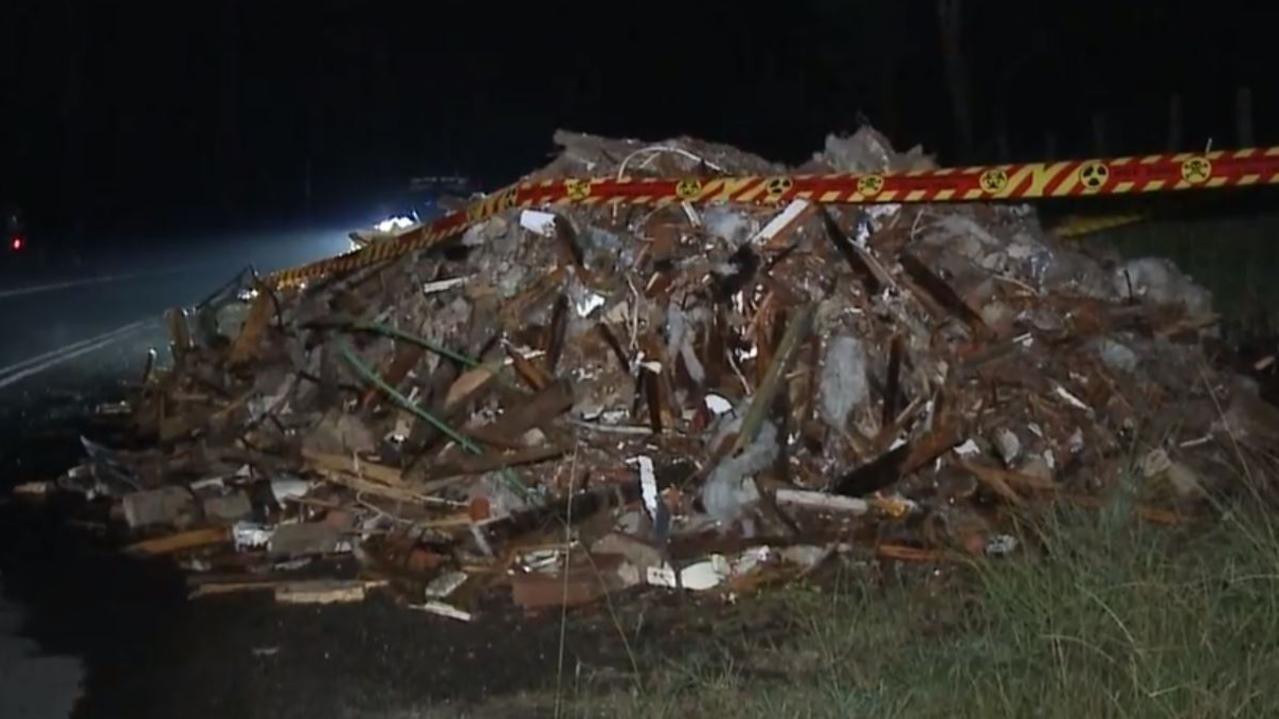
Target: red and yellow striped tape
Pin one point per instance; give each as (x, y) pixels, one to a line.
(1073, 178)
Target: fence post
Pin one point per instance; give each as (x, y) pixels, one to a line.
(1243, 117)
(1175, 138)
(1099, 133)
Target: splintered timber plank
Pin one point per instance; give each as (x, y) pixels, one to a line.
(797, 330)
(405, 359)
(871, 272)
(292, 591)
(941, 291)
(181, 542)
(556, 334)
(542, 407)
(494, 461)
(321, 591)
(381, 473)
(529, 371)
(467, 385)
(246, 344)
(892, 385)
(891, 466)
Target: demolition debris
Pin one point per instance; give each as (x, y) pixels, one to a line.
(568, 401)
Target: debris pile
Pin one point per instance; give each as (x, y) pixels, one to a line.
(572, 400)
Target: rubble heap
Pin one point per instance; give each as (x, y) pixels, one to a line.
(580, 399)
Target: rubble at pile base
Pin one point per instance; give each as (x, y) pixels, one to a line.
(575, 400)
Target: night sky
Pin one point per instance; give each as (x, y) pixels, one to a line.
(144, 116)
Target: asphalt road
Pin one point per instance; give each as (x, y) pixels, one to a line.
(70, 337)
(62, 346)
(45, 309)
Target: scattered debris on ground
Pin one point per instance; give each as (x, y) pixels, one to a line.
(575, 400)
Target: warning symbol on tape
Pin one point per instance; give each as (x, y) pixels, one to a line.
(509, 199)
(688, 188)
(993, 180)
(869, 185)
(1093, 175)
(776, 187)
(577, 189)
(1196, 170)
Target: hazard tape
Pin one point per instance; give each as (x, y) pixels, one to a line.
(1073, 178)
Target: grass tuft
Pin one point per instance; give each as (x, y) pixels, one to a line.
(1106, 617)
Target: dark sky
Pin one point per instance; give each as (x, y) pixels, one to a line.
(141, 115)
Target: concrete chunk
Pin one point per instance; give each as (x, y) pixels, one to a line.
(228, 509)
(173, 506)
(301, 539)
(843, 380)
